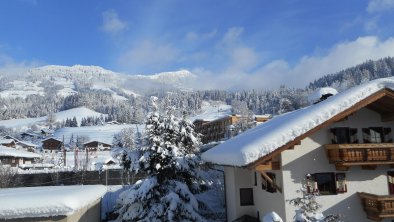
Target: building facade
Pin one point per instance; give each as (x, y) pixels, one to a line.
(225, 127)
(345, 159)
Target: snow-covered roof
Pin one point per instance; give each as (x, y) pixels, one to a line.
(256, 143)
(92, 141)
(6, 151)
(47, 201)
(51, 138)
(7, 141)
(27, 143)
(314, 97)
(263, 116)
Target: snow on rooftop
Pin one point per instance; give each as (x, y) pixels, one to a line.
(47, 201)
(212, 111)
(6, 151)
(6, 141)
(314, 97)
(265, 138)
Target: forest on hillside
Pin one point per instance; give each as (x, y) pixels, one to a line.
(134, 109)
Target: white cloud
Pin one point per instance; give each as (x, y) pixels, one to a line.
(375, 6)
(194, 36)
(112, 23)
(10, 67)
(232, 35)
(310, 67)
(148, 55)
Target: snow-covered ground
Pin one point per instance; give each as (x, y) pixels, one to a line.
(23, 124)
(96, 160)
(22, 89)
(47, 201)
(103, 133)
(212, 110)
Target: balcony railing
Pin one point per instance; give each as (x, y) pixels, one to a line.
(377, 207)
(373, 154)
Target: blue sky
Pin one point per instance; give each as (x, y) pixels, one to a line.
(228, 44)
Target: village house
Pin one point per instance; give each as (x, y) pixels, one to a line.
(8, 142)
(96, 146)
(47, 132)
(15, 157)
(224, 127)
(340, 149)
(52, 145)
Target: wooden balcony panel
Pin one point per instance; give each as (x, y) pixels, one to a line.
(377, 207)
(360, 154)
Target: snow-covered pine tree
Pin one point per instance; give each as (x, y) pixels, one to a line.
(167, 157)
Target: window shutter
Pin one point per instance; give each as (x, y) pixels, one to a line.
(340, 182)
(333, 136)
(387, 135)
(311, 184)
(366, 135)
(353, 135)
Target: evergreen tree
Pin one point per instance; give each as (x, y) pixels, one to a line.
(167, 156)
(74, 122)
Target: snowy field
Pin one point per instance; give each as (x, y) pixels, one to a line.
(79, 113)
(103, 133)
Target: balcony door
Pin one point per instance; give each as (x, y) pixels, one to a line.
(390, 177)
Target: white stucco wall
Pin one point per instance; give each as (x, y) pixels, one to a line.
(310, 157)
(237, 178)
(264, 202)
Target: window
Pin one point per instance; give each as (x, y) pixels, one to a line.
(377, 135)
(266, 185)
(326, 183)
(255, 178)
(343, 135)
(246, 196)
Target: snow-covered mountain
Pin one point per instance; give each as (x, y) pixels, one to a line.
(67, 80)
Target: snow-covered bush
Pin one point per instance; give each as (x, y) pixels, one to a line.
(272, 217)
(167, 157)
(308, 209)
(8, 176)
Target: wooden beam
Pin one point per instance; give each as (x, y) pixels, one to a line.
(341, 167)
(264, 174)
(263, 167)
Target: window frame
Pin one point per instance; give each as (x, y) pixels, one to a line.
(337, 183)
(266, 185)
(249, 193)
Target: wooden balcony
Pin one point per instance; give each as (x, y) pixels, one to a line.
(377, 207)
(367, 155)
